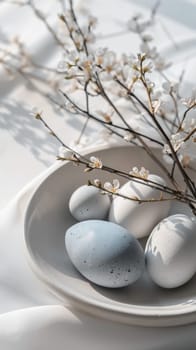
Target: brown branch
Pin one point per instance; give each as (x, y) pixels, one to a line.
(134, 199)
(128, 129)
(181, 196)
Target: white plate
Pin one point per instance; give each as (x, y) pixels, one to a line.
(47, 219)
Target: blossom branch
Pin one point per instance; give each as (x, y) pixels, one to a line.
(84, 112)
(181, 196)
(187, 180)
(134, 199)
(79, 159)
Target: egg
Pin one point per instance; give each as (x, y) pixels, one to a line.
(139, 218)
(105, 253)
(170, 251)
(87, 203)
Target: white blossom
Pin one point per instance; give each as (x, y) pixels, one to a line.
(156, 104)
(109, 65)
(190, 101)
(97, 182)
(112, 187)
(128, 136)
(35, 111)
(176, 141)
(129, 75)
(95, 162)
(184, 143)
(144, 173)
(148, 67)
(68, 64)
(99, 55)
(151, 52)
(141, 173)
(86, 62)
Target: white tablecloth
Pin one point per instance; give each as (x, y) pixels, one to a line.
(25, 151)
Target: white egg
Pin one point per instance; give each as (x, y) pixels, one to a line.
(170, 251)
(88, 203)
(139, 218)
(105, 253)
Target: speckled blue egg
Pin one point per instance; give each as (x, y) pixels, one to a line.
(105, 253)
(87, 203)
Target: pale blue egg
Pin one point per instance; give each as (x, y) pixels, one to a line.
(105, 253)
(87, 203)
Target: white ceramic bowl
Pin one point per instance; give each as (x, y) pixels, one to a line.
(46, 221)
